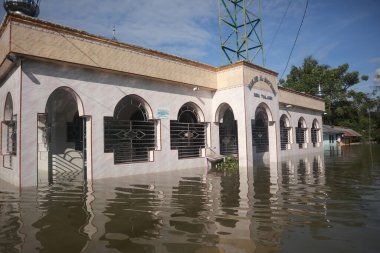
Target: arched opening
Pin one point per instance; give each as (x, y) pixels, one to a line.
(62, 138)
(9, 133)
(301, 133)
(130, 134)
(315, 133)
(189, 113)
(228, 133)
(188, 132)
(260, 130)
(285, 132)
(8, 108)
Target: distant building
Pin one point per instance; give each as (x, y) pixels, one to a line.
(80, 105)
(333, 135)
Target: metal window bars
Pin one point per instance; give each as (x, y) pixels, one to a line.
(10, 141)
(76, 131)
(129, 140)
(228, 139)
(188, 138)
(314, 136)
(260, 138)
(284, 137)
(300, 136)
(10, 137)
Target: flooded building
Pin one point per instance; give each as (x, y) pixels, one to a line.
(335, 135)
(79, 105)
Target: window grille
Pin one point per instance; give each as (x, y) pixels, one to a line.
(9, 142)
(284, 137)
(284, 134)
(76, 131)
(10, 137)
(187, 138)
(228, 138)
(300, 136)
(129, 140)
(260, 138)
(314, 136)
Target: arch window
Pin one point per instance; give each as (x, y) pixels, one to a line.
(187, 133)
(61, 142)
(9, 133)
(315, 133)
(301, 133)
(228, 134)
(130, 134)
(285, 133)
(260, 131)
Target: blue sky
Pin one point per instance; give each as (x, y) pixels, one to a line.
(334, 31)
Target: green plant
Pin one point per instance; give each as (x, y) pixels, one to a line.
(229, 165)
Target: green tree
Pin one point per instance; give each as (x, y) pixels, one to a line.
(344, 106)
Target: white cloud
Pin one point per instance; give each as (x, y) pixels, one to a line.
(376, 78)
(374, 60)
(324, 51)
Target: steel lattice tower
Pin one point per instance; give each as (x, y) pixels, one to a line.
(240, 30)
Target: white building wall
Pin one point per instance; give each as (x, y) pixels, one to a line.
(11, 84)
(294, 114)
(234, 97)
(255, 98)
(100, 92)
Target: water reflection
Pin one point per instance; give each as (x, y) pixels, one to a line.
(10, 222)
(132, 214)
(63, 216)
(319, 202)
(230, 199)
(189, 198)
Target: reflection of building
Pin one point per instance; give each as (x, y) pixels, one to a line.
(171, 211)
(280, 193)
(79, 105)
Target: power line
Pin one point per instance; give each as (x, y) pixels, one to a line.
(295, 41)
(279, 27)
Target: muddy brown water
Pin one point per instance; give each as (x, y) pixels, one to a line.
(323, 202)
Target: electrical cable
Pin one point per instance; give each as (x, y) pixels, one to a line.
(279, 27)
(295, 41)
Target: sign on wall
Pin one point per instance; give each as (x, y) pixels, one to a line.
(162, 113)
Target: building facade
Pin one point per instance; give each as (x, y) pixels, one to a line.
(79, 105)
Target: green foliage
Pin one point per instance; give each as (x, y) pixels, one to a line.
(229, 165)
(344, 106)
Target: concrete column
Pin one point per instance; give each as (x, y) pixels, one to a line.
(89, 147)
(272, 142)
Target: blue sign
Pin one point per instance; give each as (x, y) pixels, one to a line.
(162, 114)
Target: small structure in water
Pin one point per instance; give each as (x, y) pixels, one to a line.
(335, 135)
(76, 105)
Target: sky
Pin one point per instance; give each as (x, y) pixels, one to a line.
(334, 31)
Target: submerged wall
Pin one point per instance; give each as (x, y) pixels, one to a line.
(10, 167)
(99, 93)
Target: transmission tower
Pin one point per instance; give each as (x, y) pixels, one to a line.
(240, 30)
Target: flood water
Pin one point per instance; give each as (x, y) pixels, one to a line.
(326, 202)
